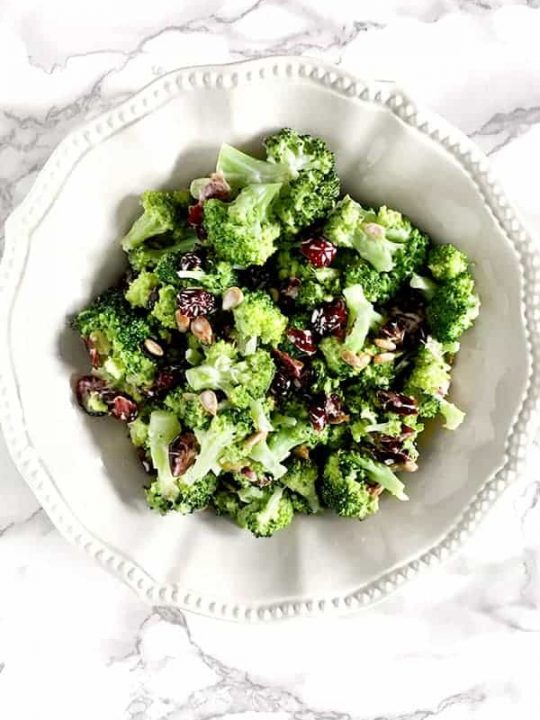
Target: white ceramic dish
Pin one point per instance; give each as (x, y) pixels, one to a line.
(61, 250)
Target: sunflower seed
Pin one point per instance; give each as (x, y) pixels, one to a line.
(358, 362)
(209, 401)
(202, 330)
(385, 344)
(154, 348)
(232, 298)
(182, 321)
(384, 358)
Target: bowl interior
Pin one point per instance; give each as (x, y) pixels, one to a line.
(74, 254)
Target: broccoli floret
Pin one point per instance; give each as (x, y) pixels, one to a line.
(165, 307)
(242, 381)
(333, 349)
(188, 408)
(258, 317)
(189, 492)
(453, 416)
(320, 381)
(145, 257)
(447, 262)
(305, 200)
(118, 334)
(362, 318)
(424, 284)
(315, 186)
(138, 432)
(429, 382)
(240, 169)
(164, 211)
(226, 502)
(272, 452)
(301, 478)
(376, 236)
(300, 153)
(270, 510)
(317, 285)
(243, 232)
(217, 277)
(453, 308)
(260, 413)
(346, 481)
(380, 474)
(139, 290)
(380, 287)
(344, 487)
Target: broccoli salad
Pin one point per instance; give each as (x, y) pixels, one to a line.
(276, 347)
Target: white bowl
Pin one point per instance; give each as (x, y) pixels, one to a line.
(61, 249)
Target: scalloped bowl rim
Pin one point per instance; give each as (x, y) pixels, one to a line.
(27, 216)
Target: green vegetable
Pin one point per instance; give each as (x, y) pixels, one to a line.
(243, 232)
(270, 510)
(374, 236)
(165, 307)
(301, 478)
(119, 333)
(193, 490)
(241, 380)
(164, 211)
(453, 308)
(345, 488)
(317, 285)
(258, 317)
(446, 262)
(362, 317)
(140, 289)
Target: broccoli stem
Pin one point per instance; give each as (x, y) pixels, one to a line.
(240, 169)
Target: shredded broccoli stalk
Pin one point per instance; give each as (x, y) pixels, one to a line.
(362, 315)
(382, 475)
(162, 430)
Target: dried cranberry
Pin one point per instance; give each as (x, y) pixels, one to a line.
(292, 367)
(195, 215)
(165, 380)
(89, 387)
(397, 402)
(216, 187)
(193, 302)
(318, 416)
(190, 261)
(389, 456)
(393, 330)
(327, 409)
(302, 340)
(249, 473)
(259, 480)
(123, 408)
(281, 385)
(93, 353)
(291, 287)
(182, 453)
(334, 410)
(319, 251)
(330, 318)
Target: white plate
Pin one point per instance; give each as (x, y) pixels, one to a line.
(61, 249)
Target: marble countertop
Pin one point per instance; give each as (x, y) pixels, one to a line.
(462, 641)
